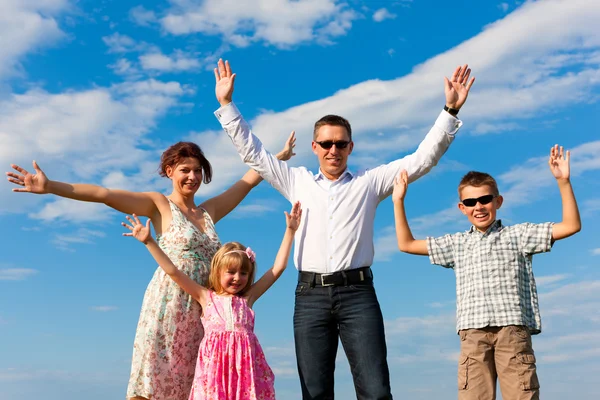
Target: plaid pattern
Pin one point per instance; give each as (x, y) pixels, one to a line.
(494, 278)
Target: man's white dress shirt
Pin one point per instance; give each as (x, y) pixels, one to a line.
(338, 216)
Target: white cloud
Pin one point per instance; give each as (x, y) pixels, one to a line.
(382, 14)
(504, 7)
(550, 280)
(26, 25)
(596, 252)
(118, 43)
(178, 62)
(82, 136)
(16, 274)
(142, 16)
(282, 23)
(258, 208)
(81, 236)
(104, 308)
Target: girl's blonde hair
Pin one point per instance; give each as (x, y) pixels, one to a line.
(230, 254)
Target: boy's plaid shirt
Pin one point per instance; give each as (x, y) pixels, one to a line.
(494, 278)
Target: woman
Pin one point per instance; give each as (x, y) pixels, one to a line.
(169, 329)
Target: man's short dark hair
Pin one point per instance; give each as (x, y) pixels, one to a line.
(334, 120)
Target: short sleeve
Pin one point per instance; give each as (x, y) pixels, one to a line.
(535, 238)
(441, 250)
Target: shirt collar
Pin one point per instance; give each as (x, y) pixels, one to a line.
(496, 226)
(346, 172)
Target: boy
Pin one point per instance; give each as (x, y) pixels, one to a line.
(496, 296)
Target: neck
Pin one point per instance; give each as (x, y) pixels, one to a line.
(487, 228)
(332, 177)
(181, 200)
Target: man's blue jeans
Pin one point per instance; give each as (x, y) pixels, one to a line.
(351, 312)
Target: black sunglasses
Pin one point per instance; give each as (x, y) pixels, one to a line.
(481, 200)
(327, 144)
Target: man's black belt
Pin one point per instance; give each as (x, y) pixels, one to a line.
(355, 276)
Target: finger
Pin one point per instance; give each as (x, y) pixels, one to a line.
(447, 84)
(287, 216)
(13, 175)
(561, 152)
(127, 226)
(233, 79)
(21, 170)
(465, 70)
(130, 220)
(137, 220)
(227, 68)
(470, 83)
(221, 66)
(568, 157)
(148, 223)
(127, 234)
(36, 167)
(465, 78)
(21, 190)
(217, 77)
(16, 181)
(456, 73)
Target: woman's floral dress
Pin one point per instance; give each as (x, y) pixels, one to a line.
(170, 330)
(231, 364)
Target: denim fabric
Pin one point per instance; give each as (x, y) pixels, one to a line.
(352, 312)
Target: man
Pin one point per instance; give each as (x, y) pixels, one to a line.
(334, 246)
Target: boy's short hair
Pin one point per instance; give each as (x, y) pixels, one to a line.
(477, 179)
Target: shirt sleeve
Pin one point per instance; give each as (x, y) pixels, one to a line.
(441, 250)
(252, 151)
(417, 164)
(535, 238)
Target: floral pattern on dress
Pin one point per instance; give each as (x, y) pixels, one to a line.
(231, 363)
(169, 330)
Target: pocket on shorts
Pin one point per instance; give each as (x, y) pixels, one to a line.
(527, 371)
(463, 372)
(520, 331)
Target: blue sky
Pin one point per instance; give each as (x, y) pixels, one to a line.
(95, 90)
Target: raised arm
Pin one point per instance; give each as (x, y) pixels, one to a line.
(248, 146)
(571, 222)
(141, 203)
(406, 242)
(435, 143)
(221, 205)
(143, 234)
(268, 279)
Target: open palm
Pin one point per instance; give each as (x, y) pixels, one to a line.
(31, 183)
(138, 230)
(457, 88)
(559, 162)
(224, 82)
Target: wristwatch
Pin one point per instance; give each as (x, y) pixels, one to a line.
(451, 111)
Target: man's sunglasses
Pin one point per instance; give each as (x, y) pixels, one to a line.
(327, 144)
(481, 200)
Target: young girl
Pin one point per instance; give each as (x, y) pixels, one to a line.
(231, 364)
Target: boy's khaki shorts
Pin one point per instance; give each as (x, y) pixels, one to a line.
(503, 352)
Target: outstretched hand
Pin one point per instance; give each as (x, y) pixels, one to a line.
(138, 231)
(288, 148)
(293, 219)
(400, 186)
(457, 88)
(32, 183)
(224, 82)
(559, 162)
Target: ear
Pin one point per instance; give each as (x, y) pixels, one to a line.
(169, 171)
(461, 207)
(314, 147)
(350, 147)
(499, 200)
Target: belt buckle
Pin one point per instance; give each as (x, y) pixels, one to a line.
(326, 284)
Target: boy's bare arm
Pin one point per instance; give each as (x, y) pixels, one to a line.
(571, 221)
(406, 242)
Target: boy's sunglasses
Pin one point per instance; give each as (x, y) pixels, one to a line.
(327, 144)
(481, 200)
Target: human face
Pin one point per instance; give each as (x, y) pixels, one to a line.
(480, 215)
(332, 161)
(233, 279)
(186, 176)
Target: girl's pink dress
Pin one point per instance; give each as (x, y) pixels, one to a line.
(231, 364)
